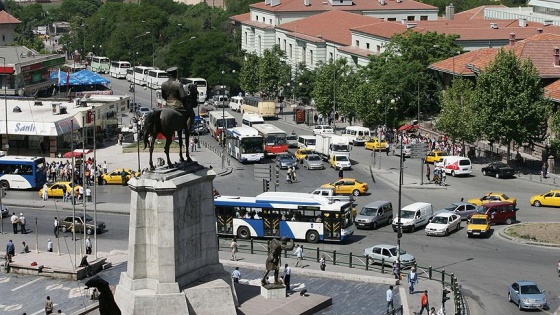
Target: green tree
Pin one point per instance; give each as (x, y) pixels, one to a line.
(331, 86)
(509, 99)
(458, 118)
(273, 72)
(248, 76)
(81, 8)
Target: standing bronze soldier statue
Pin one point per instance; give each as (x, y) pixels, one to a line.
(178, 115)
(275, 248)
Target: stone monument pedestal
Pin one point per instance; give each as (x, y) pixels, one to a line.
(273, 291)
(173, 246)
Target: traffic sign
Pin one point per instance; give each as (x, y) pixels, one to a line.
(418, 150)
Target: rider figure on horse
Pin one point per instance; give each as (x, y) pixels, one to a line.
(175, 96)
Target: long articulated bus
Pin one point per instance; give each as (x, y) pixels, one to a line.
(118, 69)
(259, 106)
(141, 75)
(297, 216)
(156, 78)
(22, 172)
(201, 86)
(245, 144)
(274, 139)
(219, 121)
(100, 64)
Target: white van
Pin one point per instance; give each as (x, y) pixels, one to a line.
(414, 216)
(456, 165)
(357, 135)
(307, 142)
(252, 119)
(235, 103)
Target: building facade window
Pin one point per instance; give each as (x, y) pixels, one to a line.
(410, 18)
(311, 57)
(290, 52)
(423, 18)
(367, 46)
(357, 43)
(392, 19)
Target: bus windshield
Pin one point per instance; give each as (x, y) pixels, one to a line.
(275, 138)
(229, 122)
(252, 145)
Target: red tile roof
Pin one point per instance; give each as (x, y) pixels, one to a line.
(323, 26)
(356, 51)
(6, 18)
(553, 91)
(475, 13)
(539, 48)
(357, 6)
(245, 17)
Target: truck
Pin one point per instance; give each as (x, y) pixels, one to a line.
(331, 196)
(327, 145)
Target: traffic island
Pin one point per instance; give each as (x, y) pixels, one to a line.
(535, 233)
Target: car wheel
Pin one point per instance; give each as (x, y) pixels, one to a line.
(356, 192)
(509, 221)
(4, 184)
(312, 237)
(389, 220)
(509, 298)
(453, 173)
(243, 232)
(458, 227)
(89, 231)
(446, 232)
(374, 226)
(305, 166)
(497, 175)
(484, 172)
(537, 203)
(64, 229)
(519, 305)
(103, 182)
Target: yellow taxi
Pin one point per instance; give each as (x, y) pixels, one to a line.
(58, 189)
(478, 225)
(302, 153)
(550, 199)
(114, 177)
(348, 186)
(492, 197)
(435, 156)
(375, 144)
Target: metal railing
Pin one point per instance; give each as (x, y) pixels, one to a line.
(351, 260)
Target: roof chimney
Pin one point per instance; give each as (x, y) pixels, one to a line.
(556, 56)
(382, 2)
(522, 22)
(450, 12)
(306, 3)
(494, 25)
(539, 30)
(511, 39)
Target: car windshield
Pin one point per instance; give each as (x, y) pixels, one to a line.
(314, 158)
(478, 221)
(407, 214)
(440, 220)
(393, 251)
(500, 165)
(290, 137)
(451, 207)
(481, 210)
(341, 158)
(530, 289)
(368, 211)
(285, 158)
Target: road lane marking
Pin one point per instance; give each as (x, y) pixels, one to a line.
(43, 311)
(26, 284)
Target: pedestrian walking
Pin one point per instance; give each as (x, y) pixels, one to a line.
(287, 277)
(65, 195)
(443, 177)
(299, 256)
(88, 194)
(22, 224)
(192, 145)
(323, 262)
(236, 275)
(50, 246)
(341, 174)
(25, 248)
(289, 176)
(105, 168)
(234, 249)
(387, 147)
(88, 246)
(45, 193)
(390, 306)
(315, 118)
(15, 221)
(49, 306)
(428, 172)
(397, 270)
(294, 175)
(123, 177)
(412, 280)
(544, 170)
(56, 227)
(10, 250)
(424, 303)
(320, 119)
(81, 193)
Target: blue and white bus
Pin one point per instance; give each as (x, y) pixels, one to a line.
(297, 216)
(22, 172)
(245, 144)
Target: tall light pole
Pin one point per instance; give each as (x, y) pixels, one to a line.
(5, 83)
(137, 123)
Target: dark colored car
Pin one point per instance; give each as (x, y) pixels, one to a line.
(286, 160)
(499, 212)
(498, 169)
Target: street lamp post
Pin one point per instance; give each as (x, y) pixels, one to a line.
(5, 83)
(137, 123)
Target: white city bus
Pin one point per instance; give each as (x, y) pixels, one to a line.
(201, 86)
(141, 75)
(100, 64)
(297, 216)
(245, 144)
(118, 69)
(156, 78)
(218, 121)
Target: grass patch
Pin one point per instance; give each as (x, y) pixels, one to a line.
(512, 231)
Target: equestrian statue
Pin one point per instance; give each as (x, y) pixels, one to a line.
(178, 115)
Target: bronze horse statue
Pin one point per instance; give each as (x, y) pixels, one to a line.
(167, 120)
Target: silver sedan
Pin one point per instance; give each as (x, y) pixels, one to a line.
(313, 162)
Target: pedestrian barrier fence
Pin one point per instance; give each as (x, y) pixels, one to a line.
(351, 260)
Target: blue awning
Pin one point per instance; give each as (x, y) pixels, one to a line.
(83, 77)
